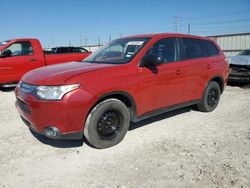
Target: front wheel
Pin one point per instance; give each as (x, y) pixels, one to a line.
(107, 123)
(211, 97)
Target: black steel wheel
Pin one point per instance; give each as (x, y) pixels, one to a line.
(211, 97)
(107, 123)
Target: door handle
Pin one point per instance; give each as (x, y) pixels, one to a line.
(209, 66)
(33, 59)
(178, 72)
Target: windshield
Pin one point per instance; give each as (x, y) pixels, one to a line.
(245, 52)
(118, 51)
(4, 42)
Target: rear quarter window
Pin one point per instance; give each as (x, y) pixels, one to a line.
(212, 50)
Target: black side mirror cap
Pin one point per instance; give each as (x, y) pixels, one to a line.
(152, 60)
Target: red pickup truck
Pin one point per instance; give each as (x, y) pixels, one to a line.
(19, 56)
(129, 79)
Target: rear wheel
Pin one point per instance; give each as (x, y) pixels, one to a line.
(107, 123)
(211, 97)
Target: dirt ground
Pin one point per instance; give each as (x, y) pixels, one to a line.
(184, 148)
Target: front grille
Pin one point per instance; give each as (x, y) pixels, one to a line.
(23, 106)
(26, 88)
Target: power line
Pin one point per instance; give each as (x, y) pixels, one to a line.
(238, 12)
(222, 22)
(222, 25)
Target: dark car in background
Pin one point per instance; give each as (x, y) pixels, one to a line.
(66, 50)
(240, 67)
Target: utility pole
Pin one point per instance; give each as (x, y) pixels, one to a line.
(177, 23)
(189, 28)
(80, 39)
(99, 41)
(109, 37)
(85, 41)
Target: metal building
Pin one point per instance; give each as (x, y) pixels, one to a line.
(232, 44)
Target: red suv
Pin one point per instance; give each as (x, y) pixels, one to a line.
(129, 79)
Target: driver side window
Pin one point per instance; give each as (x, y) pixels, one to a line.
(165, 49)
(21, 49)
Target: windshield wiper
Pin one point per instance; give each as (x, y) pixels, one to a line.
(98, 62)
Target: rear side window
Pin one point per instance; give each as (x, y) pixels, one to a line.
(76, 50)
(82, 50)
(212, 50)
(62, 50)
(193, 48)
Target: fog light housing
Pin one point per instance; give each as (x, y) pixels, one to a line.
(51, 132)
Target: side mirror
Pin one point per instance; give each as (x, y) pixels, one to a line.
(5, 53)
(152, 60)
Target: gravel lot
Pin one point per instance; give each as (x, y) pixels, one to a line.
(184, 148)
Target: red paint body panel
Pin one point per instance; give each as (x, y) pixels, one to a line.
(13, 68)
(172, 84)
(67, 114)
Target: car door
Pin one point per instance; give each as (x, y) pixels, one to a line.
(22, 60)
(162, 86)
(197, 66)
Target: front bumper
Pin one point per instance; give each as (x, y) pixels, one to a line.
(58, 136)
(66, 116)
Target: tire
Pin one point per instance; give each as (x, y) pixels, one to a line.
(210, 98)
(107, 123)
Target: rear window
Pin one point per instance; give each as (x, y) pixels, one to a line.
(212, 50)
(193, 48)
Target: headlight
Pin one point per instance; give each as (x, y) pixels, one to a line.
(54, 92)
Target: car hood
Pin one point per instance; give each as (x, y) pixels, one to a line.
(240, 60)
(59, 74)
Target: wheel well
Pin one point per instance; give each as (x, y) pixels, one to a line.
(220, 81)
(124, 97)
